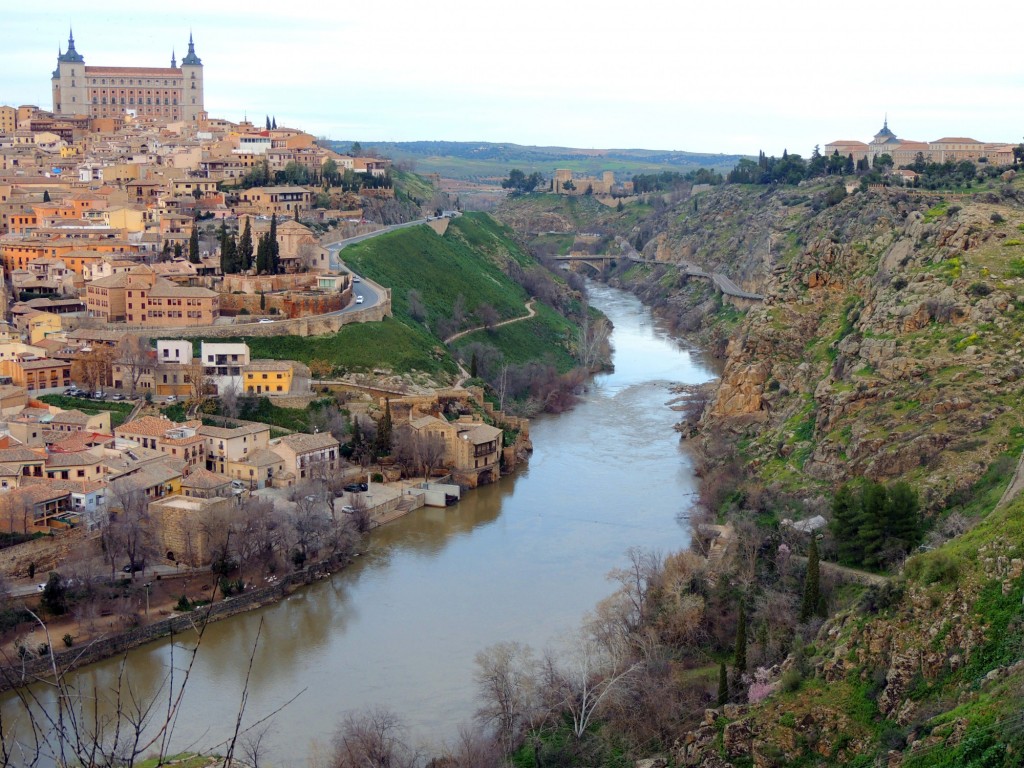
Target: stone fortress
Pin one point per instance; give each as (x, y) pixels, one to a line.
(169, 93)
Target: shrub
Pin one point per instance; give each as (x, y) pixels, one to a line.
(996, 218)
(791, 680)
(934, 567)
(68, 640)
(183, 605)
(980, 289)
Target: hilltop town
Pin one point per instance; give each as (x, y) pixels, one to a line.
(144, 244)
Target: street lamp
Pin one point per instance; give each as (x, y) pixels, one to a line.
(147, 585)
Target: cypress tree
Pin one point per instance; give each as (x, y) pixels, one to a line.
(46, 195)
(268, 122)
(473, 366)
(193, 243)
(177, 250)
(263, 301)
(739, 660)
(245, 247)
(273, 123)
(723, 685)
(811, 589)
(383, 444)
(262, 256)
(273, 249)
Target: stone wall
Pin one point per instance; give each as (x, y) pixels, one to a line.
(290, 304)
(47, 553)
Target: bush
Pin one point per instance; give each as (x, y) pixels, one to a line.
(980, 289)
(183, 605)
(932, 568)
(791, 680)
(996, 218)
(68, 640)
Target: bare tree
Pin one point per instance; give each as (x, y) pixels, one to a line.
(261, 533)
(417, 308)
(133, 353)
(129, 524)
(472, 749)
(228, 397)
(431, 450)
(487, 315)
(585, 678)
(506, 678)
(93, 369)
(374, 739)
(308, 522)
(200, 385)
(592, 340)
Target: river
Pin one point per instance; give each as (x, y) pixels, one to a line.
(522, 559)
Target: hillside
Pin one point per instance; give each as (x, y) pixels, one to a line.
(487, 160)
(888, 347)
(472, 276)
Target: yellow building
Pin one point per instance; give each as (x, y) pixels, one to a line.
(267, 377)
(42, 325)
(8, 119)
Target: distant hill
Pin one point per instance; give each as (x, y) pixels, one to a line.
(483, 161)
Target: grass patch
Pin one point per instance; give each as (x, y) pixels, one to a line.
(544, 338)
(118, 411)
(389, 344)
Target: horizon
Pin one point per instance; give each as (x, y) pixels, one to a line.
(499, 76)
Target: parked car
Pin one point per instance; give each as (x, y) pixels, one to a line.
(172, 398)
(99, 394)
(359, 299)
(263, 320)
(348, 509)
(71, 392)
(134, 568)
(356, 487)
(117, 396)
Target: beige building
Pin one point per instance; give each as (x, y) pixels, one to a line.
(226, 446)
(472, 448)
(180, 441)
(905, 152)
(165, 93)
(267, 201)
(138, 297)
(308, 456)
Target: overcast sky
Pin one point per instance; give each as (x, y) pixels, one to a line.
(732, 76)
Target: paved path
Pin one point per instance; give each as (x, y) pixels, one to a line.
(529, 313)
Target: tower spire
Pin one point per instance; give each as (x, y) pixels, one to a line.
(174, 63)
(191, 59)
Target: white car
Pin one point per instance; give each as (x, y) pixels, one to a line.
(172, 398)
(263, 320)
(359, 299)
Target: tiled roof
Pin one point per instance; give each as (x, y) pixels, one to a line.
(18, 455)
(267, 365)
(302, 442)
(229, 432)
(166, 289)
(72, 416)
(152, 426)
(204, 479)
(261, 457)
(77, 459)
(482, 433)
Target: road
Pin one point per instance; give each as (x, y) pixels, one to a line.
(24, 590)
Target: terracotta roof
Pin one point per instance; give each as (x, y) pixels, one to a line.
(78, 459)
(481, 433)
(78, 486)
(130, 71)
(153, 426)
(166, 289)
(37, 493)
(204, 479)
(302, 442)
(71, 417)
(956, 140)
(229, 432)
(267, 365)
(261, 457)
(36, 365)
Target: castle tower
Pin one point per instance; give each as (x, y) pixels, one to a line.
(192, 80)
(68, 84)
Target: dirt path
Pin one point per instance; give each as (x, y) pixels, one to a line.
(1015, 486)
(847, 573)
(529, 313)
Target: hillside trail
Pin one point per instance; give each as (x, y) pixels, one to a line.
(530, 312)
(463, 373)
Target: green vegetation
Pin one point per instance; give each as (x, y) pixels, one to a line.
(118, 411)
(876, 524)
(545, 338)
(389, 344)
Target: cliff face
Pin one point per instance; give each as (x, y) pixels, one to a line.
(889, 345)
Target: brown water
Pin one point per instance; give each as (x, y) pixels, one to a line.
(523, 559)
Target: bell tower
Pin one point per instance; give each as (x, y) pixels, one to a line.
(192, 84)
(68, 84)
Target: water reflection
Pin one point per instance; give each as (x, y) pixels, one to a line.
(522, 559)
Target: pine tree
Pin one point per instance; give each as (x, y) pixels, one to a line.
(845, 522)
(872, 533)
(809, 604)
(739, 660)
(723, 685)
(245, 247)
(193, 243)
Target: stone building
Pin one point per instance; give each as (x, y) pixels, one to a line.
(169, 93)
(904, 152)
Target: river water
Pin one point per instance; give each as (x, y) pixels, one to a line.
(523, 559)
